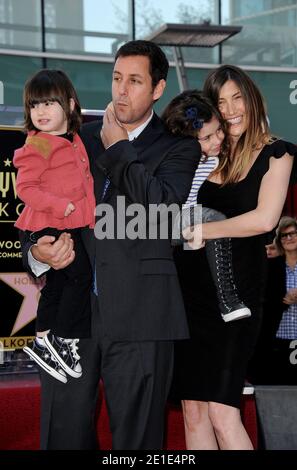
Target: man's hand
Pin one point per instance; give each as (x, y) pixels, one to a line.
(112, 132)
(57, 254)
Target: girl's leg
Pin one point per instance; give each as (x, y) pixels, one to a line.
(50, 294)
(219, 256)
(73, 318)
(68, 412)
(199, 432)
(228, 427)
(50, 297)
(46, 315)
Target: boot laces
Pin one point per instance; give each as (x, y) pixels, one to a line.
(224, 268)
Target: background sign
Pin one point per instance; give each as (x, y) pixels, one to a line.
(19, 293)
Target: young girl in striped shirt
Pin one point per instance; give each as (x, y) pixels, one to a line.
(190, 113)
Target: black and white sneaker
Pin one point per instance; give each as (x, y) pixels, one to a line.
(65, 352)
(219, 256)
(44, 358)
(237, 311)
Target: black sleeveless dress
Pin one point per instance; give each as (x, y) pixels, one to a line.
(211, 366)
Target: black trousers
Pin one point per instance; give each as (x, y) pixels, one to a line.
(136, 378)
(64, 306)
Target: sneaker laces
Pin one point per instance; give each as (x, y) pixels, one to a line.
(72, 344)
(74, 349)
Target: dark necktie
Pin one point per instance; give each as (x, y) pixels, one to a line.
(105, 188)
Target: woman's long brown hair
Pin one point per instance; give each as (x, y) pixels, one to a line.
(257, 134)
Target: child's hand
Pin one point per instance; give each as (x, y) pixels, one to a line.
(70, 208)
(193, 235)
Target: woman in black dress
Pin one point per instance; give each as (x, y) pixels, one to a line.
(249, 187)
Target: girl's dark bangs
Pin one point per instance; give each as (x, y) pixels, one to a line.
(42, 92)
(34, 100)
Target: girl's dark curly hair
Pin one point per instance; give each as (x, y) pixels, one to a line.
(187, 113)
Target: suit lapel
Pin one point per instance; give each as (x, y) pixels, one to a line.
(148, 136)
(99, 177)
(142, 144)
(97, 139)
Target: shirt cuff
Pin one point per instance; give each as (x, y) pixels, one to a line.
(37, 267)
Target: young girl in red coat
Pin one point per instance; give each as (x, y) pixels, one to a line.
(55, 183)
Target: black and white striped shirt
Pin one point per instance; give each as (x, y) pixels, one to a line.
(204, 169)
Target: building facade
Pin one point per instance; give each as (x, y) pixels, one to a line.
(82, 36)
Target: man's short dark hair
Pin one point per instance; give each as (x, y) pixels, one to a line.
(158, 61)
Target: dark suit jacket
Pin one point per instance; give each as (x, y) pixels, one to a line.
(139, 293)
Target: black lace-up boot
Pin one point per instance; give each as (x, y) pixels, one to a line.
(219, 256)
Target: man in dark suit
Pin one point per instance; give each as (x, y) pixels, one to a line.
(137, 305)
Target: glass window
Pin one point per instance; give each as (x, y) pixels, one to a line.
(86, 26)
(279, 90)
(149, 16)
(14, 71)
(91, 80)
(269, 33)
(20, 24)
